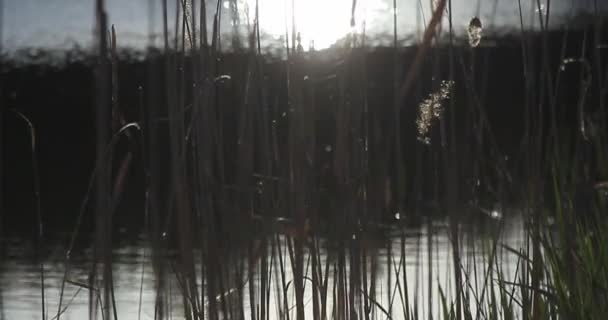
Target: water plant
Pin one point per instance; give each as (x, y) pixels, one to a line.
(288, 189)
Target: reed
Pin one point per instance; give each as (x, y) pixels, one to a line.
(38, 208)
(287, 190)
(2, 107)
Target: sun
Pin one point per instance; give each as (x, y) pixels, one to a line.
(320, 23)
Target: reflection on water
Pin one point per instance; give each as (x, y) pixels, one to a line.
(364, 261)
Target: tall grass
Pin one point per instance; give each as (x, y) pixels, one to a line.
(38, 207)
(274, 179)
(2, 107)
(296, 167)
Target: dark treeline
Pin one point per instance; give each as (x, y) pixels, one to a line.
(487, 103)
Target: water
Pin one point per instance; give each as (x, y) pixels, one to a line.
(66, 24)
(134, 279)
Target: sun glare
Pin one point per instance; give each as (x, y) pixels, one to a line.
(320, 23)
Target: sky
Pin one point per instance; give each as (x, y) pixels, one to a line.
(63, 24)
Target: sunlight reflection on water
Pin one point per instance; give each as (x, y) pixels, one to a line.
(20, 282)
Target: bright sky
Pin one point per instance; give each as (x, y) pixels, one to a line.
(64, 23)
(321, 21)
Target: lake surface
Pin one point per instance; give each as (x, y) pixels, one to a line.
(64, 24)
(134, 279)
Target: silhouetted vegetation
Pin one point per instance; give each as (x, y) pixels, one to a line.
(298, 187)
